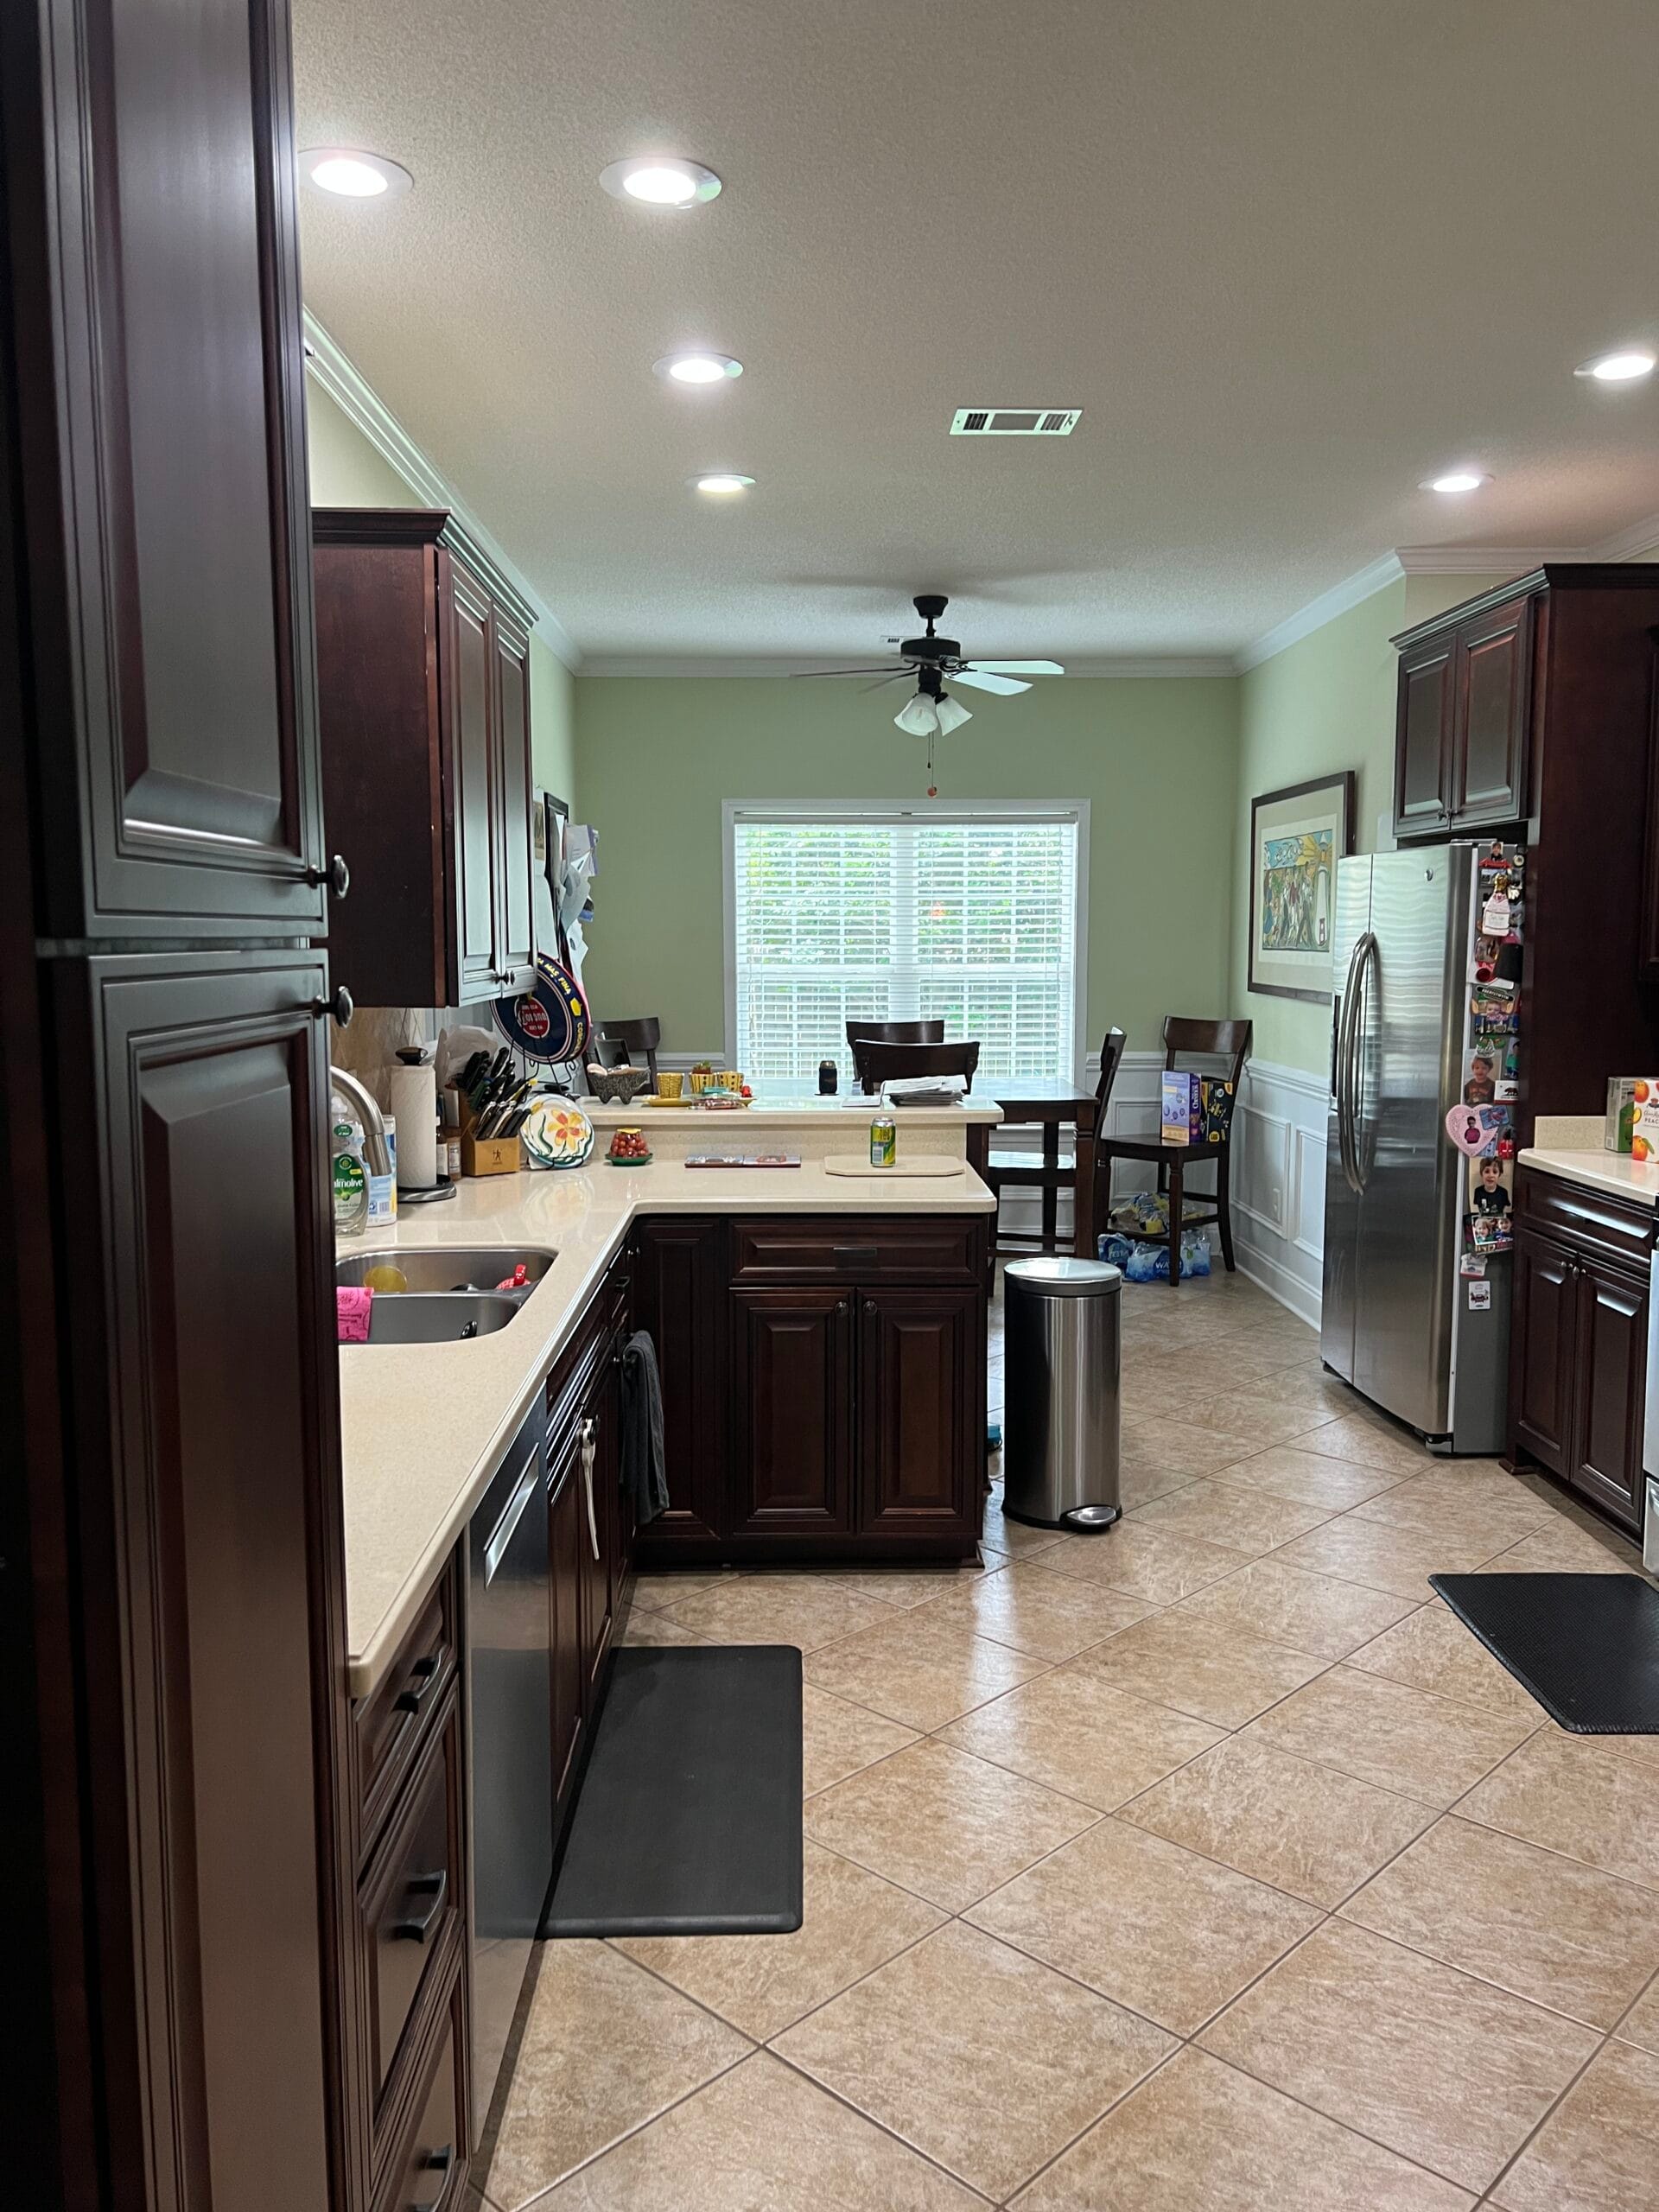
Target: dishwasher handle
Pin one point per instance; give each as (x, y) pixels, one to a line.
(501, 1534)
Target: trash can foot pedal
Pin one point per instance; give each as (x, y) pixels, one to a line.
(1091, 1520)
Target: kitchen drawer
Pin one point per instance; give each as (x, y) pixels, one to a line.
(391, 1724)
(570, 1384)
(429, 2173)
(412, 1897)
(856, 1249)
(1585, 1220)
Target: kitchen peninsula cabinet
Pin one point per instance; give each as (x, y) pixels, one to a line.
(844, 1359)
(1579, 1339)
(424, 703)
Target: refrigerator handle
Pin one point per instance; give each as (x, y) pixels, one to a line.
(1347, 1064)
(1366, 954)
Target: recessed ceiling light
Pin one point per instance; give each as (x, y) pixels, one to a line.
(698, 368)
(721, 485)
(661, 180)
(1455, 480)
(1627, 365)
(350, 175)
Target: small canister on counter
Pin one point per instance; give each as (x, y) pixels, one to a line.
(884, 1142)
(828, 1078)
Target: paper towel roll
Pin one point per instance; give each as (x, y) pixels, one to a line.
(415, 1107)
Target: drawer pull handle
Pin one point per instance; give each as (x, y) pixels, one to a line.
(436, 1886)
(410, 1698)
(590, 1446)
(436, 2162)
(855, 1255)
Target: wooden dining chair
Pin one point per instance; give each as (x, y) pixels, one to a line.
(643, 1035)
(1185, 1036)
(1007, 1169)
(896, 1033)
(878, 1062)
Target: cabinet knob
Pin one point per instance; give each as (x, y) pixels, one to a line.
(336, 875)
(340, 1004)
(841, 1305)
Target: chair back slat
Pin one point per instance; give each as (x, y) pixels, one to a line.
(877, 1063)
(1188, 1033)
(642, 1035)
(1111, 1053)
(896, 1033)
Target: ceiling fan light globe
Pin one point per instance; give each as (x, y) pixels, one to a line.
(920, 716)
(952, 714)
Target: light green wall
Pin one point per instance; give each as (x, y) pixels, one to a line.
(347, 471)
(1325, 703)
(656, 756)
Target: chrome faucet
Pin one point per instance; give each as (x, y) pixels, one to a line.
(376, 1151)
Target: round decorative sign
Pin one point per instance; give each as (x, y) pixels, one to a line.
(550, 1024)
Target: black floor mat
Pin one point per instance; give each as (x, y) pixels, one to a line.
(689, 1822)
(1586, 1646)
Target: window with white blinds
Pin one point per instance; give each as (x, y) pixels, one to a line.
(972, 916)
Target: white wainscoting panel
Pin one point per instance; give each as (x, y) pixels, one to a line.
(1279, 1183)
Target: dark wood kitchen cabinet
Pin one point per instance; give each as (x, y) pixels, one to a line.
(423, 704)
(1462, 724)
(1579, 1339)
(844, 1358)
(154, 300)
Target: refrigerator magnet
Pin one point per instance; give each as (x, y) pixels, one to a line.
(1480, 1084)
(1471, 1263)
(1480, 1297)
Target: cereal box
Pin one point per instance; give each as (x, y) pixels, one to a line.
(1180, 1107)
(1644, 1133)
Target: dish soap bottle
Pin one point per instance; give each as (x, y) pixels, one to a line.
(350, 1180)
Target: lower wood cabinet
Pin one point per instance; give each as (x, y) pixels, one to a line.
(843, 1358)
(1578, 1342)
(429, 2173)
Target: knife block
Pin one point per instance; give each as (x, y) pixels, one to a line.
(486, 1155)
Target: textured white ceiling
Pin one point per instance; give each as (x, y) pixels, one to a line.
(1289, 255)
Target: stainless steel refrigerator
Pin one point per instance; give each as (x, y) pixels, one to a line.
(1400, 1321)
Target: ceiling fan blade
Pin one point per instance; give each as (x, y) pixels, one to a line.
(1021, 667)
(886, 669)
(890, 678)
(982, 682)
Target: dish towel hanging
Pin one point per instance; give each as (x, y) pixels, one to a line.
(644, 1481)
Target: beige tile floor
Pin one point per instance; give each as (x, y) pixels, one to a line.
(1209, 1866)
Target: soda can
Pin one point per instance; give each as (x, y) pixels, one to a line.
(884, 1142)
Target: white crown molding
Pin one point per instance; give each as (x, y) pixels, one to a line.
(1482, 560)
(1628, 544)
(356, 399)
(1364, 584)
(808, 665)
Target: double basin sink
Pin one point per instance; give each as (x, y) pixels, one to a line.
(441, 1297)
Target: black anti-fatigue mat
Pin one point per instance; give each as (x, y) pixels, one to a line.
(689, 1822)
(1586, 1646)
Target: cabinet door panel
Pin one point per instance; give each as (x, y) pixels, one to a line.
(473, 789)
(792, 1455)
(515, 951)
(568, 1533)
(921, 1411)
(155, 287)
(1611, 1374)
(207, 1422)
(1543, 1322)
(1494, 695)
(680, 1299)
(1423, 737)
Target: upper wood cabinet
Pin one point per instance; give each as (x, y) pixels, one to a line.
(155, 349)
(1462, 726)
(423, 698)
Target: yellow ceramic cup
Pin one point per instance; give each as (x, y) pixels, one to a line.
(671, 1086)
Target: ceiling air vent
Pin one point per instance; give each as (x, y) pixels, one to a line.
(1014, 421)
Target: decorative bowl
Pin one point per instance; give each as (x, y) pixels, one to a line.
(616, 1086)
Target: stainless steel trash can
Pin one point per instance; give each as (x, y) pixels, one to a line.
(1061, 1411)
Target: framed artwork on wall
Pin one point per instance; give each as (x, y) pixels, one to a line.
(1297, 836)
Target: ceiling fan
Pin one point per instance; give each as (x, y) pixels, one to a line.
(928, 659)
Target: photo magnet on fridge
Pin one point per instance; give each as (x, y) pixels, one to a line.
(1480, 1297)
(1476, 1129)
(1480, 1082)
(1491, 1196)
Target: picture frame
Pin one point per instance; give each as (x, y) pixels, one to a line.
(1297, 836)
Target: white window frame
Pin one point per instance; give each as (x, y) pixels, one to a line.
(966, 810)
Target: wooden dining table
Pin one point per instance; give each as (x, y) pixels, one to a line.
(1051, 1101)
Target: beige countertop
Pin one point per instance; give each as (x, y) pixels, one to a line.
(423, 1426)
(1615, 1172)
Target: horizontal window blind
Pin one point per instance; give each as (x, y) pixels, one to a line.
(971, 917)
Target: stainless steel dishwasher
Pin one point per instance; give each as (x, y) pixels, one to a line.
(510, 1756)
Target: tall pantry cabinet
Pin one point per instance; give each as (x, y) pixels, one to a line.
(175, 1631)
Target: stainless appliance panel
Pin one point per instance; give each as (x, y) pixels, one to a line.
(1351, 922)
(509, 1742)
(1409, 1000)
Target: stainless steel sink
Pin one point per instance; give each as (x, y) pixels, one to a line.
(441, 1317)
(459, 1268)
